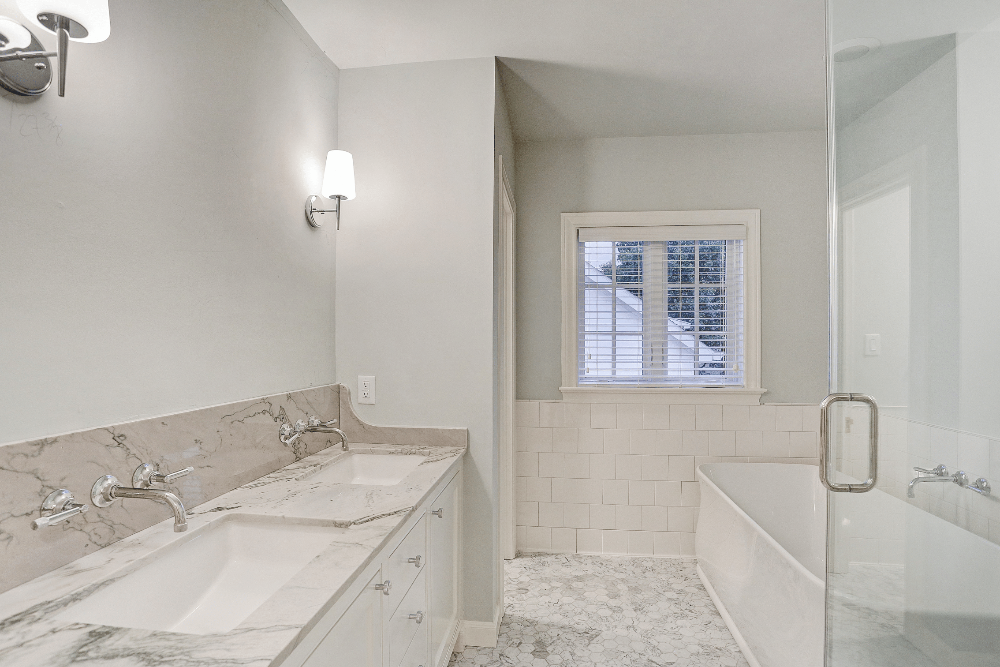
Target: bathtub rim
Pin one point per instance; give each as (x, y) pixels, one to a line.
(796, 564)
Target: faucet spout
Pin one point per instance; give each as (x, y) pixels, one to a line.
(343, 437)
(938, 474)
(172, 501)
(917, 480)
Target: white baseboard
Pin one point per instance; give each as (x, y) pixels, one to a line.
(479, 633)
(747, 653)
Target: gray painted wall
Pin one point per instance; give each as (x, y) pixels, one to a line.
(782, 174)
(919, 123)
(415, 270)
(153, 253)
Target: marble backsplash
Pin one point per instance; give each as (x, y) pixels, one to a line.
(227, 445)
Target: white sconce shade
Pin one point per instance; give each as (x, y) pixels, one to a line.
(13, 35)
(338, 179)
(93, 15)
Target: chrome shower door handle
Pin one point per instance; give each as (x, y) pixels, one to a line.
(824, 443)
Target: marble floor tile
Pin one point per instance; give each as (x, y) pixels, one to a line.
(570, 609)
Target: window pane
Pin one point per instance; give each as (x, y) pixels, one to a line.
(661, 313)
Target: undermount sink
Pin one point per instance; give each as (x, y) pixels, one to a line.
(373, 469)
(210, 582)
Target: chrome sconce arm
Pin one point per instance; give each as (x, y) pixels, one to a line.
(26, 55)
(311, 210)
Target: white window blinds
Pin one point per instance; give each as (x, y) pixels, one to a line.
(661, 306)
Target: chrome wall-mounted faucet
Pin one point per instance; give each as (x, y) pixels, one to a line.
(57, 507)
(940, 474)
(107, 489)
(289, 433)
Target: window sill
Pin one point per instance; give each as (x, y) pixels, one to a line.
(679, 395)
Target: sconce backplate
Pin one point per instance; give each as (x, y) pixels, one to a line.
(28, 77)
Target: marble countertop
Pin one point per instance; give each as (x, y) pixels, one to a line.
(31, 633)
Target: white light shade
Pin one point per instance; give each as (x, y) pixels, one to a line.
(15, 34)
(91, 14)
(338, 179)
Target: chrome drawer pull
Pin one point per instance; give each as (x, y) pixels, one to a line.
(385, 588)
(439, 513)
(415, 560)
(418, 617)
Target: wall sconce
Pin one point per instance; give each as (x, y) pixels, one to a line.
(338, 183)
(69, 20)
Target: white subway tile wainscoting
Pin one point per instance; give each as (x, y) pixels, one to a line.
(612, 478)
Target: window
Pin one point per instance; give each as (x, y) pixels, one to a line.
(661, 300)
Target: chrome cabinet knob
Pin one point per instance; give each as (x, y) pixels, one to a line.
(384, 587)
(439, 512)
(415, 560)
(418, 617)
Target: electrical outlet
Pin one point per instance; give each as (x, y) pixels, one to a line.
(873, 345)
(366, 390)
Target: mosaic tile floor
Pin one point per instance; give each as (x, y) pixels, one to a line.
(617, 612)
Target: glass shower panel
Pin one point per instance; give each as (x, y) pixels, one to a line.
(913, 568)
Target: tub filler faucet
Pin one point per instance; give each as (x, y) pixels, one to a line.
(940, 474)
(107, 489)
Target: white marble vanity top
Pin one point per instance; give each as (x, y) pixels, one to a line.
(31, 633)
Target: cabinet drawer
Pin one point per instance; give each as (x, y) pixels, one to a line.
(402, 629)
(416, 655)
(399, 570)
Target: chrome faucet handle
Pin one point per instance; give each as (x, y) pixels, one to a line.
(148, 474)
(981, 486)
(102, 493)
(940, 471)
(316, 422)
(961, 478)
(300, 426)
(57, 507)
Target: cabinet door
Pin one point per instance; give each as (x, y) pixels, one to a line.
(356, 639)
(443, 526)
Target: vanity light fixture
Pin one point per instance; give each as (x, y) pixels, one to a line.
(69, 20)
(338, 183)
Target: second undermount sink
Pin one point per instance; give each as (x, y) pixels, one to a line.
(374, 469)
(211, 581)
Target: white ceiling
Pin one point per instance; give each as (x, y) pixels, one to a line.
(605, 68)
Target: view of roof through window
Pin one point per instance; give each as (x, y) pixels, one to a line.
(661, 313)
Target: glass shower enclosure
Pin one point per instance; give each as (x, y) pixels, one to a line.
(913, 564)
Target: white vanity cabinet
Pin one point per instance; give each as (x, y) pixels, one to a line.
(404, 609)
(356, 639)
(443, 529)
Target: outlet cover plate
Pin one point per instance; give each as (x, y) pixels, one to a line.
(366, 390)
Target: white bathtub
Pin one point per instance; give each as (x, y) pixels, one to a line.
(761, 547)
(907, 583)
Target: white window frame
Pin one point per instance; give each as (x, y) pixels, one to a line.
(748, 394)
